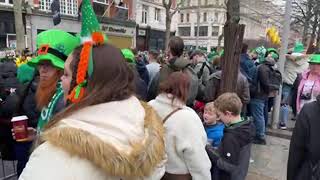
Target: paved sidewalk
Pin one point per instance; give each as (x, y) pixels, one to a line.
(270, 161)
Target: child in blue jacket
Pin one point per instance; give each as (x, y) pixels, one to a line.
(214, 128)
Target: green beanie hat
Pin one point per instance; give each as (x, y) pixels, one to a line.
(54, 45)
(261, 51)
(25, 73)
(274, 53)
(128, 55)
(315, 59)
(298, 47)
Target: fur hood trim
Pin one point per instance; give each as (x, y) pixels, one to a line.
(140, 162)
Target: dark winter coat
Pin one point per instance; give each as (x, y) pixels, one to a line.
(246, 64)
(141, 88)
(305, 144)
(143, 71)
(175, 64)
(234, 151)
(212, 88)
(262, 91)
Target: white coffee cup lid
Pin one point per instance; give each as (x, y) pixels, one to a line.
(19, 118)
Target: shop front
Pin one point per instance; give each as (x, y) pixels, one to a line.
(120, 34)
(7, 30)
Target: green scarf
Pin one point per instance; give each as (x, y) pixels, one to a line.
(47, 112)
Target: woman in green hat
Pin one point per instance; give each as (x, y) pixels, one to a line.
(307, 85)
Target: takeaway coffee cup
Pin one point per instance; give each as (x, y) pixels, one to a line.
(20, 128)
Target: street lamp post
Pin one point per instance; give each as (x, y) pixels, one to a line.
(198, 24)
(283, 51)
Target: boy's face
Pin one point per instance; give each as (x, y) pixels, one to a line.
(225, 117)
(210, 117)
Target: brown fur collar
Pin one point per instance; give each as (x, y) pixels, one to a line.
(140, 162)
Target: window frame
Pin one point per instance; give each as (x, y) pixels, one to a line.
(216, 32)
(7, 3)
(65, 8)
(144, 17)
(188, 34)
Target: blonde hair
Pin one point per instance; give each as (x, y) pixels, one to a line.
(210, 107)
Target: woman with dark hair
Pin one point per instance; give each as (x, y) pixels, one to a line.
(107, 133)
(185, 136)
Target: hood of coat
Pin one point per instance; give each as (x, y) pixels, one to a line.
(123, 138)
(179, 63)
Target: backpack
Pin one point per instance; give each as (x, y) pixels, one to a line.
(200, 73)
(275, 79)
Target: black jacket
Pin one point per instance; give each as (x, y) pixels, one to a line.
(234, 151)
(262, 91)
(305, 144)
(143, 71)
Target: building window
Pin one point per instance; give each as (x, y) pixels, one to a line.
(67, 7)
(188, 17)
(181, 18)
(203, 31)
(157, 12)
(216, 17)
(215, 31)
(184, 31)
(205, 17)
(217, 2)
(6, 2)
(144, 14)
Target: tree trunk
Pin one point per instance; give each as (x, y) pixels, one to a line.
(233, 38)
(231, 59)
(168, 28)
(19, 27)
(306, 24)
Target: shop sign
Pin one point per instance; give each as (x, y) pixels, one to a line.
(117, 30)
(142, 32)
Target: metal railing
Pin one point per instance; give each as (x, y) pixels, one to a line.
(8, 169)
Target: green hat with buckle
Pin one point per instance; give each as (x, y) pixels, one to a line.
(54, 45)
(315, 59)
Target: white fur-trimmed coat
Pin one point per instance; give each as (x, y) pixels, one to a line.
(116, 140)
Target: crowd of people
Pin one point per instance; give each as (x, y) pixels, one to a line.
(98, 112)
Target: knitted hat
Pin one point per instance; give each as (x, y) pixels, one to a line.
(315, 59)
(91, 34)
(54, 45)
(298, 47)
(261, 51)
(128, 55)
(274, 53)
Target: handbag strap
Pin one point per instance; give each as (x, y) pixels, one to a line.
(170, 114)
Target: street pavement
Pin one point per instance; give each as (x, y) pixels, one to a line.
(7, 169)
(269, 162)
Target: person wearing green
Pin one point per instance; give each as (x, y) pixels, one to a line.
(53, 48)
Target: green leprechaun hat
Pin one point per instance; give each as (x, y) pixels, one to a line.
(91, 35)
(315, 59)
(128, 55)
(54, 45)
